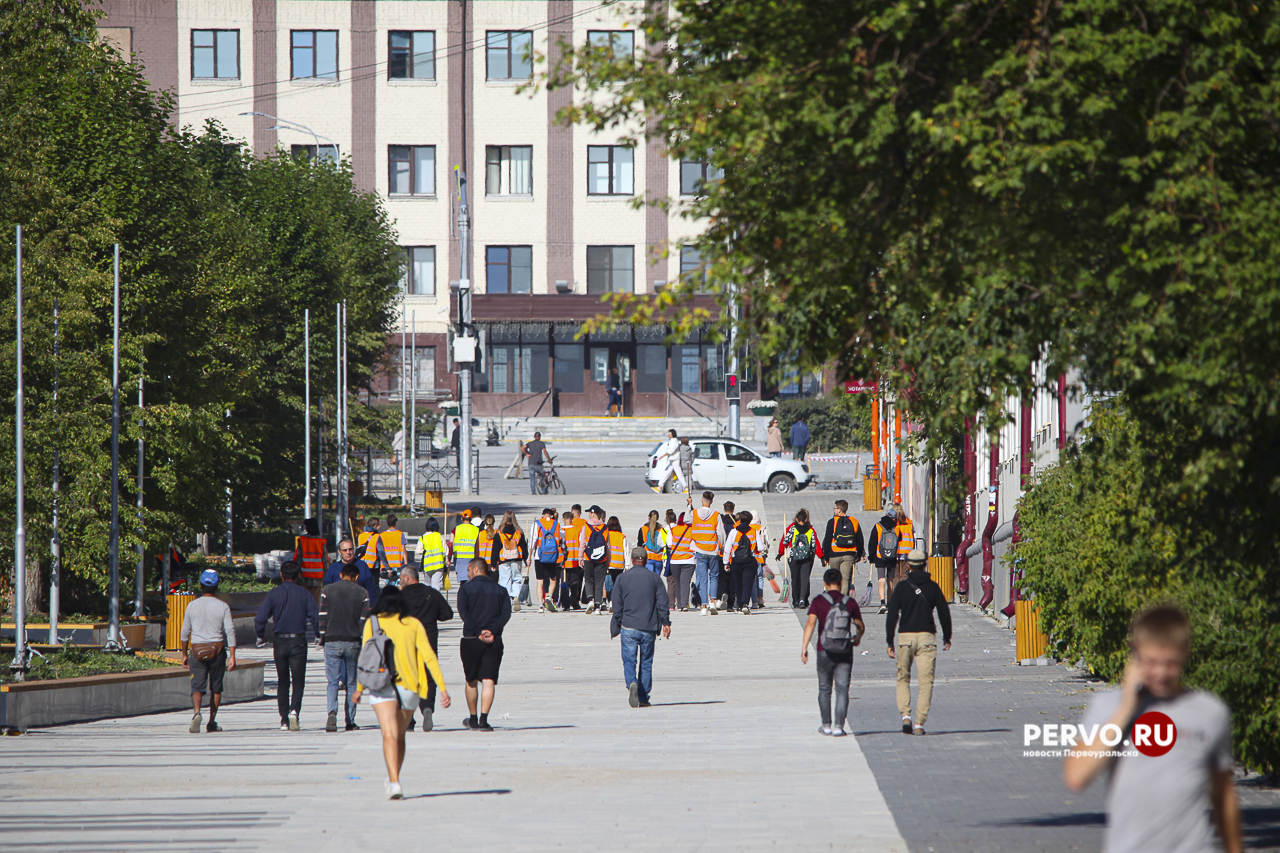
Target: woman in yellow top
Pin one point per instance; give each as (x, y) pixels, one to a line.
(414, 658)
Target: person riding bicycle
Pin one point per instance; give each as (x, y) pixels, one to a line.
(536, 452)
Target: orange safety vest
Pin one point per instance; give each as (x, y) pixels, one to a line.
(906, 537)
(573, 544)
(731, 546)
(644, 540)
(484, 543)
(510, 546)
(681, 543)
(371, 552)
(557, 534)
(704, 532)
(836, 548)
(617, 541)
(755, 539)
(310, 554)
(394, 547)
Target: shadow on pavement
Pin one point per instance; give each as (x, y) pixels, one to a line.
(459, 794)
(673, 704)
(1077, 819)
(933, 733)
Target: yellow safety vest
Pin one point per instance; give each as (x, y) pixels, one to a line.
(906, 537)
(432, 547)
(465, 537)
(370, 540)
(393, 547)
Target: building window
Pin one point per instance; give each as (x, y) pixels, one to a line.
(610, 170)
(411, 169)
(685, 369)
(508, 170)
(215, 54)
(411, 55)
(313, 54)
(713, 368)
(610, 269)
(508, 269)
(309, 152)
(424, 369)
(651, 377)
(695, 175)
(692, 272)
(509, 55)
(518, 369)
(623, 42)
(569, 370)
(419, 271)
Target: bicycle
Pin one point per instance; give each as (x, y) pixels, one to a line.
(549, 481)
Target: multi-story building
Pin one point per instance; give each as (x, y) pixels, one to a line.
(411, 90)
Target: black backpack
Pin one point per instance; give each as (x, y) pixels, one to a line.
(844, 538)
(597, 545)
(742, 550)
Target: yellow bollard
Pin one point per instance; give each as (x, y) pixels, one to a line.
(943, 572)
(871, 494)
(1032, 643)
(173, 626)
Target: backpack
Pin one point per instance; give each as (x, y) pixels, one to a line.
(836, 636)
(844, 538)
(654, 541)
(376, 666)
(888, 544)
(743, 550)
(597, 545)
(510, 547)
(548, 546)
(801, 546)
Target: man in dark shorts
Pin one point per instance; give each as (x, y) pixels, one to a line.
(485, 609)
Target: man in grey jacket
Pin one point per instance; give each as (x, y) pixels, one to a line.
(640, 608)
(208, 648)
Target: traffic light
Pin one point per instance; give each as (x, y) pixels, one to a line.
(732, 390)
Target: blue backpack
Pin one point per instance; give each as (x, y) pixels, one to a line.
(548, 546)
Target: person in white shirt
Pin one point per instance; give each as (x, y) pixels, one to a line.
(668, 460)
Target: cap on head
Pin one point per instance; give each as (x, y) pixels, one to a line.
(639, 555)
(916, 557)
(208, 577)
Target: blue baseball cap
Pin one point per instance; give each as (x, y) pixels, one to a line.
(209, 577)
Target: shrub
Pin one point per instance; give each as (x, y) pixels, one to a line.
(835, 422)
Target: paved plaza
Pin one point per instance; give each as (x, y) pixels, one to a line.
(728, 758)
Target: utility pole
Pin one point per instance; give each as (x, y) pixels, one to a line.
(140, 578)
(230, 517)
(19, 664)
(735, 404)
(113, 632)
(413, 421)
(467, 350)
(306, 414)
(337, 425)
(55, 545)
(404, 423)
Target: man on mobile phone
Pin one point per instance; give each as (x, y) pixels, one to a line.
(1166, 784)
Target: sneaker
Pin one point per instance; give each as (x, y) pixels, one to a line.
(906, 725)
(837, 731)
(591, 608)
(919, 730)
(746, 611)
(195, 725)
(293, 723)
(550, 605)
(541, 609)
(684, 610)
(394, 791)
(470, 726)
(883, 609)
(213, 727)
(713, 610)
(331, 724)
(483, 726)
(352, 727)
(284, 725)
(825, 730)
(515, 606)
(705, 611)
(428, 720)
(644, 704)
(633, 694)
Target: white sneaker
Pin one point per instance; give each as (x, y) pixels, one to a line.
(713, 610)
(836, 731)
(826, 730)
(591, 608)
(394, 792)
(704, 611)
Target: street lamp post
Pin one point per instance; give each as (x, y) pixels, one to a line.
(285, 124)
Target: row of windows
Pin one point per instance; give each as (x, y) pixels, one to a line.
(509, 269)
(526, 368)
(411, 54)
(508, 170)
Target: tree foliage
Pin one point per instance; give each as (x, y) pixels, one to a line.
(835, 422)
(220, 253)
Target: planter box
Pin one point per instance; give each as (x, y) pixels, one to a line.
(146, 635)
(250, 601)
(38, 704)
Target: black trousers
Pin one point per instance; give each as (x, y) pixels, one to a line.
(291, 673)
(744, 580)
(801, 570)
(570, 592)
(593, 575)
(728, 586)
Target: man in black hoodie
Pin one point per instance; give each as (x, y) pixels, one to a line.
(429, 606)
(911, 609)
(884, 566)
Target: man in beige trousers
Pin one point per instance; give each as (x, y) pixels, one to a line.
(911, 609)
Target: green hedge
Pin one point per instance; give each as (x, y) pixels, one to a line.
(836, 422)
(1094, 552)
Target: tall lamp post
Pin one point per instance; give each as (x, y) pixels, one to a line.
(285, 124)
(19, 664)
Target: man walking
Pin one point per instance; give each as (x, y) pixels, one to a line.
(344, 605)
(640, 609)
(668, 457)
(292, 608)
(546, 551)
(429, 606)
(347, 557)
(535, 453)
(485, 609)
(1172, 800)
(310, 551)
(799, 439)
(594, 544)
(836, 616)
(708, 539)
(911, 606)
(842, 544)
(208, 648)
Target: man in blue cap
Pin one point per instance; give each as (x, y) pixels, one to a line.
(208, 648)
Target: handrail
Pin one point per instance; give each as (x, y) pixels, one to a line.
(546, 395)
(691, 403)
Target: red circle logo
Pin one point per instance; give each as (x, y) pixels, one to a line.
(1153, 734)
